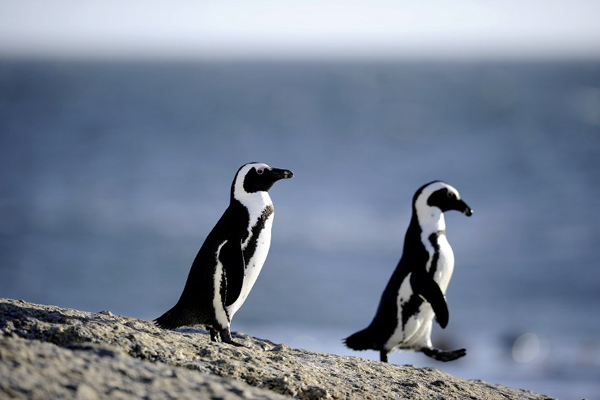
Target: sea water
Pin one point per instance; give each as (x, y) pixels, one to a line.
(112, 174)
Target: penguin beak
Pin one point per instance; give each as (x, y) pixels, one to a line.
(278, 174)
(464, 208)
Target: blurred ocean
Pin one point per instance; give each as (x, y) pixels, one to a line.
(112, 174)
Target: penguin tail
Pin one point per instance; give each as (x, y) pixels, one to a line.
(172, 319)
(362, 340)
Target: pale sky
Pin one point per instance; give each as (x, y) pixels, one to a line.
(294, 29)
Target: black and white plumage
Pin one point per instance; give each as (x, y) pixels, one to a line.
(231, 257)
(416, 291)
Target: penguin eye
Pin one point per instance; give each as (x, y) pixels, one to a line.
(451, 195)
(260, 171)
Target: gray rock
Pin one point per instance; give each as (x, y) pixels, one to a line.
(52, 352)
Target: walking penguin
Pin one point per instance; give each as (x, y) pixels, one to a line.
(231, 257)
(416, 291)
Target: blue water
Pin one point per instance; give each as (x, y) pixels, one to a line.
(112, 174)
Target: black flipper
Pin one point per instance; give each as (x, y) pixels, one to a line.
(423, 285)
(232, 258)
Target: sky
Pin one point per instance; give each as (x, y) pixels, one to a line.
(225, 29)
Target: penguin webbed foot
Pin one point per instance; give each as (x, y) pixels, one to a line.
(226, 338)
(444, 355)
(214, 335)
(222, 335)
(383, 356)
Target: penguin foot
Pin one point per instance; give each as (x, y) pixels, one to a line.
(442, 355)
(226, 338)
(214, 335)
(383, 356)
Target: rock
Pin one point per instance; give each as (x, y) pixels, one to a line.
(52, 352)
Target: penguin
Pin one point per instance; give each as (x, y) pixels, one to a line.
(416, 292)
(231, 258)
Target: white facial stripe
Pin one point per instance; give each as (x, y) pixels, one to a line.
(431, 218)
(430, 189)
(239, 180)
(254, 202)
(453, 190)
(421, 203)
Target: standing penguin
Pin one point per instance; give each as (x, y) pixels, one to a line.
(416, 291)
(231, 257)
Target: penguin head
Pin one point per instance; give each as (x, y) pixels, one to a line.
(438, 197)
(257, 177)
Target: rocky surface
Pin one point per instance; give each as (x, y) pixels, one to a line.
(51, 352)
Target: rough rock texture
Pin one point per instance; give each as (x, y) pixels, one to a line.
(52, 352)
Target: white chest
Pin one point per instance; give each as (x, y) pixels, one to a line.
(445, 266)
(255, 263)
(441, 257)
(416, 333)
(258, 238)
